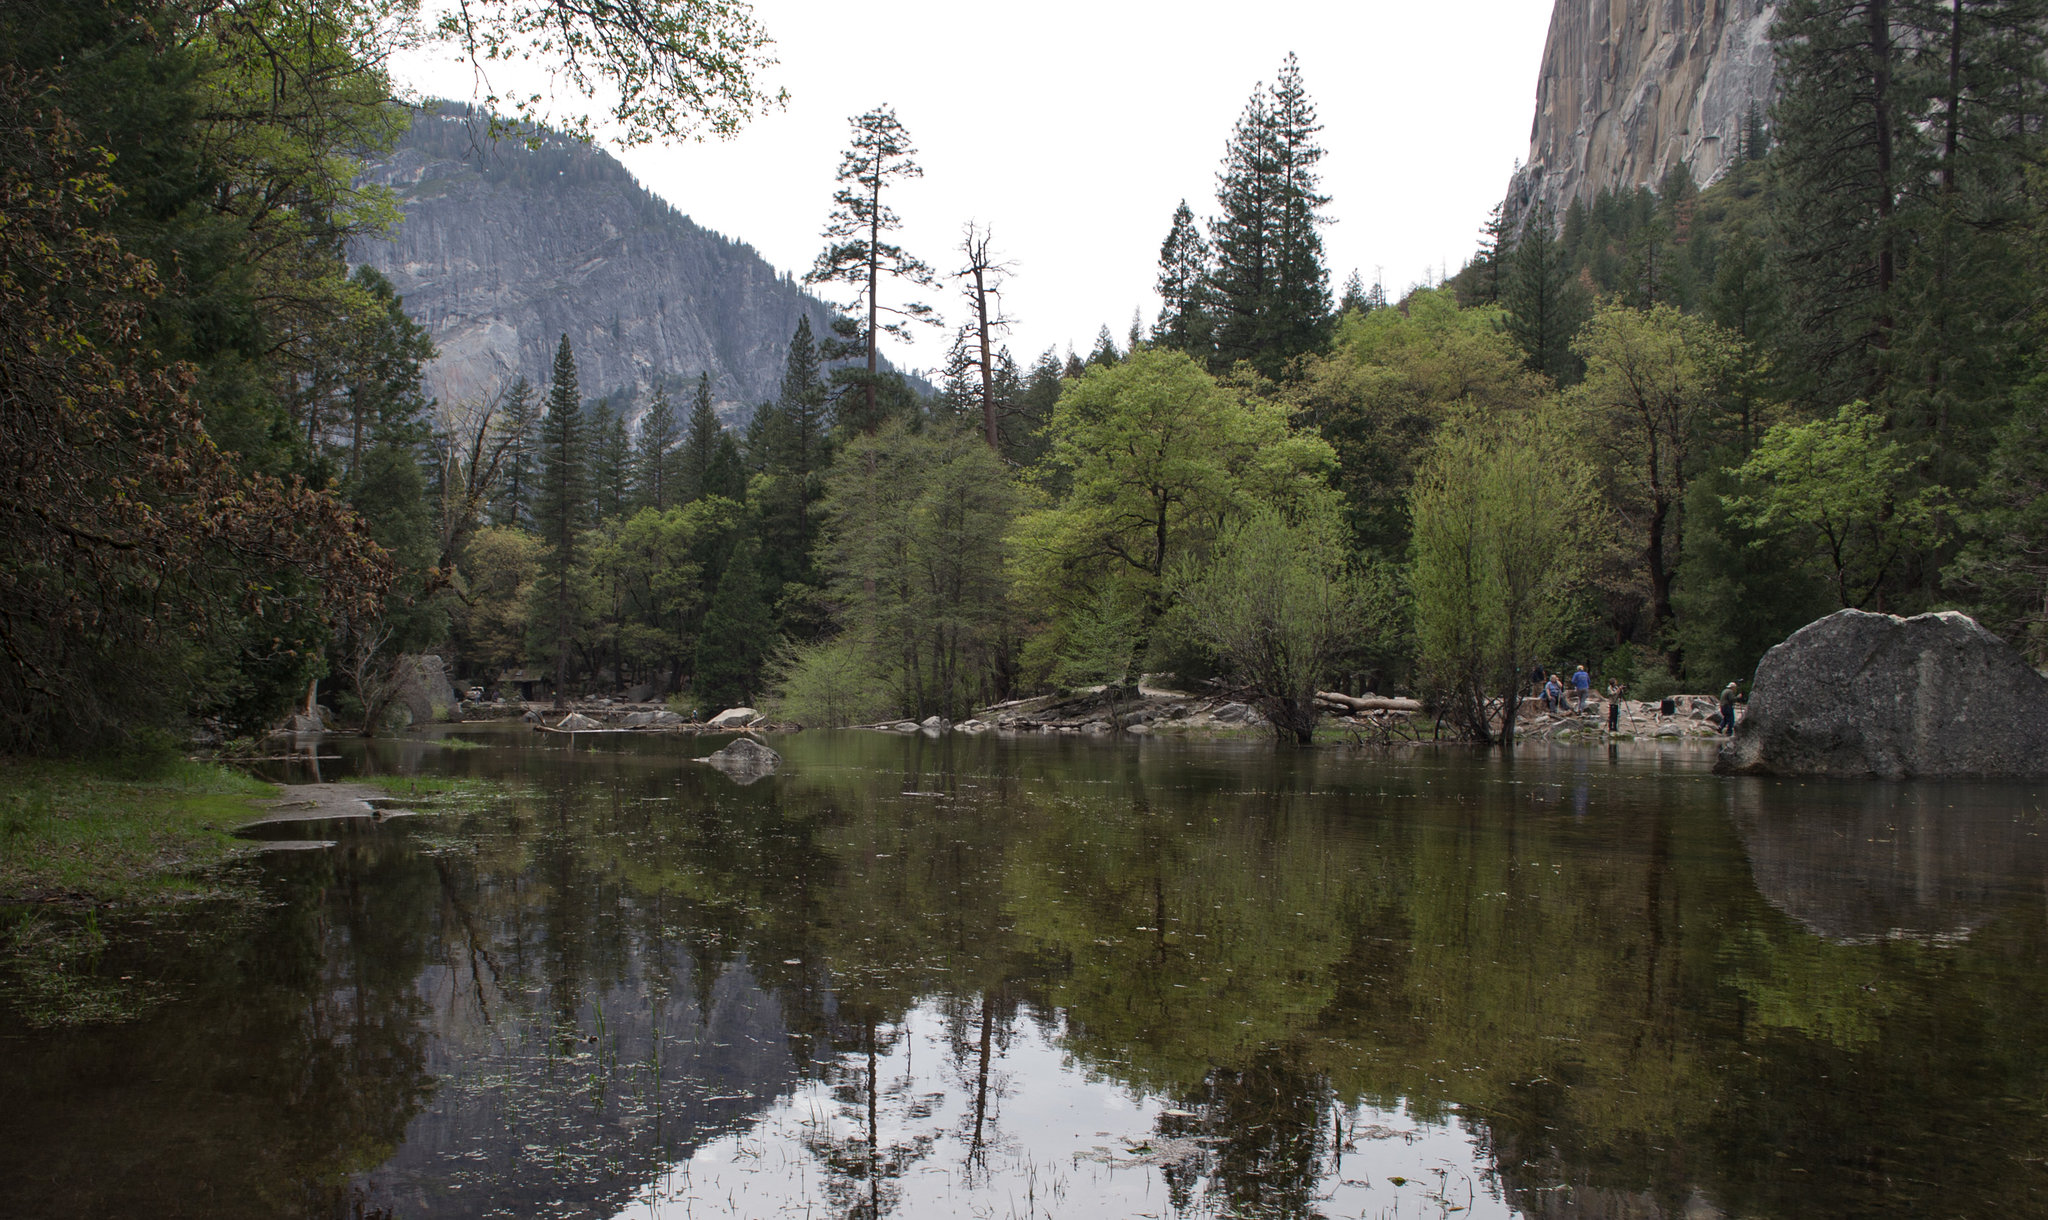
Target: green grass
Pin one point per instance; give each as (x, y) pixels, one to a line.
(83, 832)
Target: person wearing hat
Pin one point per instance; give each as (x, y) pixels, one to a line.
(1728, 694)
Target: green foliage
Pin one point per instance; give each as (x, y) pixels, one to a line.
(1545, 302)
(1279, 605)
(830, 684)
(1391, 377)
(736, 638)
(915, 546)
(1650, 408)
(1186, 317)
(1506, 519)
(1153, 459)
(1845, 499)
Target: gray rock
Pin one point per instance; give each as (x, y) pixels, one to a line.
(1858, 694)
(734, 717)
(668, 720)
(1627, 90)
(577, 722)
(933, 722)
(745, 760)
(638, 720)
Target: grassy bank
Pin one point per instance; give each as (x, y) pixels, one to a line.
(82, 832)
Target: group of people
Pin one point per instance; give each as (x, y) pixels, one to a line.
(1578, 688)
(1581, 687)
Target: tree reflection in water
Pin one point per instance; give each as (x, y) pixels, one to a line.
(932, 978)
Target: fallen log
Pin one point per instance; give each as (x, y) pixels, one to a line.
(1368, 703)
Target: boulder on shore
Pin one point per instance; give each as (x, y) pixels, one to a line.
(745, 760)
(734, 718)
(577, 722)
(1859, 695)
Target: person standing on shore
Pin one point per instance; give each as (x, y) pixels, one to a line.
(1728, 694)
(1613, 706)
(1582, 683)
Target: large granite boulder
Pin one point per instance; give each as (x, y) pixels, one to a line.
(1858, 694)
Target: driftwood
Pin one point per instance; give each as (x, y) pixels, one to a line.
(1367, 703)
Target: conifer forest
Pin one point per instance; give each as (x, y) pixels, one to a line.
(1654, 433)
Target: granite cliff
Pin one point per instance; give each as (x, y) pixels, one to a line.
(504, 249)
(1628, 88)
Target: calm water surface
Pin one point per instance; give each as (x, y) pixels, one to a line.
(972, 977)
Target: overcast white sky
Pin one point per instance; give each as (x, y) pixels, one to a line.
(1073, 129)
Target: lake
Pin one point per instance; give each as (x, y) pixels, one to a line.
(966, 976)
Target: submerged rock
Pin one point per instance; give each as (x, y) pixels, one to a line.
(1858, 694)
(745, 760)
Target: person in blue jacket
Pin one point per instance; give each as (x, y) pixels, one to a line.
(1581, 683)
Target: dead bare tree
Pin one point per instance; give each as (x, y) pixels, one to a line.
(984, 292)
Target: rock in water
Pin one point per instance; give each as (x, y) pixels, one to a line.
(1859, 694)
(746, 760)
(577, 722)
(733, 718)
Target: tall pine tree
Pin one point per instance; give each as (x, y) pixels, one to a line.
(520, 421)
(654, 454)
(1187, 322)
(1271, 288)
(858, 256)
(1545, 302)
(561, 510)
(700, 443)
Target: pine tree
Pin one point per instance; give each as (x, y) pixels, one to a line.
(609, 461)
(1545, 302)
(700, 443)
(880, 155)
(1186, 320)
(1105, 354)
(520, 421)
(1270, 284)
(561, 510)
(1301, 286)
(794, 454)
(654, 454)
(1353, 300)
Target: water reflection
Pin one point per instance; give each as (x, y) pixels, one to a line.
(919, 977)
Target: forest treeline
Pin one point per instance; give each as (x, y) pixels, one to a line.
(1652, 435)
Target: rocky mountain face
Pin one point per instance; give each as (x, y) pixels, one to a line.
(1630, 88)
(504, 249)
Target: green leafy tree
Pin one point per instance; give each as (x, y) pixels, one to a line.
(1279, 604)
(1656, 386)
(1153, 458)
(916, 549)
(1506, 515)
(880, 155)
(1390, 379)
(1846, 497)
